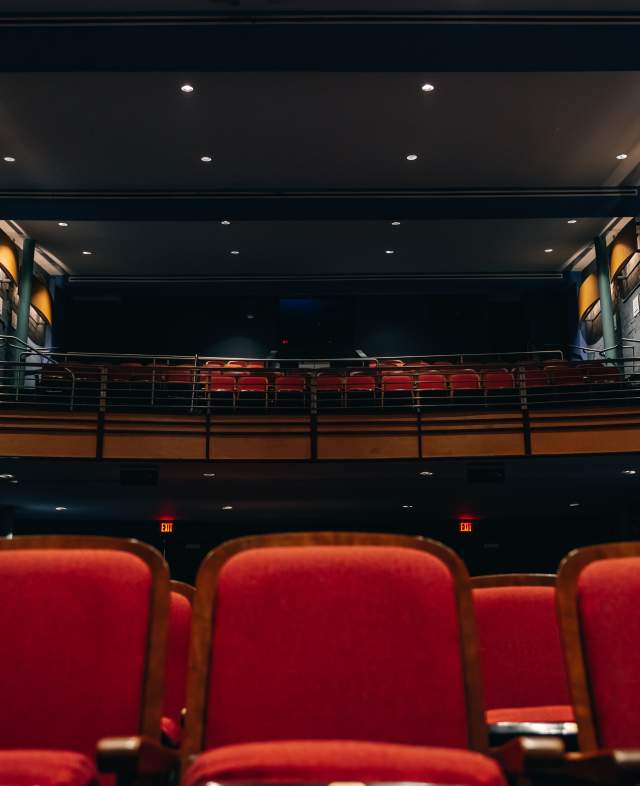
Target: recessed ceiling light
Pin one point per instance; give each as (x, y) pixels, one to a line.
(225, 223)
(87, 253)
(206, 159)
(14, 481)
(574, 504)
(235, 252)
(620, 156)
(407, 507)
(250, 316)
(187, 88)
(6, 476)
(412, 157)
(60, 507)
(572, 221)
(426, 474)
(208, 474)
(389, 251)
(428, 87)
(9, 159)
(629, 471)
(227, 507)
(395, 223)
(548, 251)
(62, 224)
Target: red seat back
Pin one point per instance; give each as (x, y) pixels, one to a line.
(84, 616)
(181, 374)
(498, 380)
(532, 377)
(330, 383)
(361, 382)
(466, 380)
(175, 684)
(333, 636)
(251, 384)
(291, 384)
(565, 375)
(220, 384)
(397, 383)
(432, 381)
(520, 649)
(598, 589)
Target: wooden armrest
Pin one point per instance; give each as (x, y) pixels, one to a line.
(530, 755)
(135, 756)
(615, 767)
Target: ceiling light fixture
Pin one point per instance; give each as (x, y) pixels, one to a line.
(412, 157)
(14, 481)
(548, 251)
(572, 221)
(6, 476)
(60, 507)
(620, 156)
(187, 88)
(235, 253)
(426, 474)
(227, 507)
(225, 223)
(629, 471)
(574, 504)
(407, 507)
(9, 159)
(428, 87)
(87, 253)
(206, 159)
(389, 251)
(208, 474)
(62, 224)
(395, 223)
(250, 316)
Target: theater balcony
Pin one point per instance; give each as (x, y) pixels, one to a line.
(202, 408)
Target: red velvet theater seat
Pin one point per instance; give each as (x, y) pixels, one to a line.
(598, 591)
(75, 662)
(177, 660)
(335, 656)
(521, 655)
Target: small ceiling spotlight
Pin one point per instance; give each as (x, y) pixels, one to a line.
(6, 476)
(225, 223)
(426, 474)
(62, 224)
(187, 88)
(572, 221)
(629, 471)
(395, 223)
(227, 507)
(87, 253)
(250, 316)
(60, 508)
(206, 159)
(389, 251)
(428, 87)
(412, 157)
(9, 159)
(620, 156)
(574, 504)
(407, 507)
(208, 474)
(548, 251)
(235, 253)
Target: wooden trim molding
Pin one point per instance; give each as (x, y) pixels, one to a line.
(153, 677)
(514, 580)
(204, 619)
(577, 667)
(184, 589)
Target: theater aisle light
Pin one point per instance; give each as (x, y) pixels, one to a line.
(187, 88)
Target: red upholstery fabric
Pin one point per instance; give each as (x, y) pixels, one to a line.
(562, 713)
(326, 761)
(250, 384)
(333, 384)
(608, 592)
(498, 380)
(467, 380)
(520, 649)
(177, 657)
(171, 732)
(73, 647)
(220, 384)
(309, 641)
(533, 377)
(46, 768)
(182, 374)
(432, 381)
(397, 384)
(361, 382)
(291, 384)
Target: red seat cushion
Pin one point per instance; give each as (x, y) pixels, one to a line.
(320, 761)
(46, 768)
(557, 713)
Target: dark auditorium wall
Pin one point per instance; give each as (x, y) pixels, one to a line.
(431, 318)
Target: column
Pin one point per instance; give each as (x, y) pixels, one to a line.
(606, 302)
(24, 292)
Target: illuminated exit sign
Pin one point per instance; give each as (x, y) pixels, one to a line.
(466, 526)
(166, 527)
